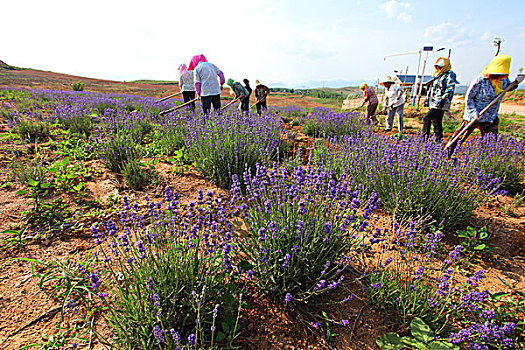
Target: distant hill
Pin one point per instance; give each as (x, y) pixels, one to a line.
(278, 85)
(316, 84)
(2, 63)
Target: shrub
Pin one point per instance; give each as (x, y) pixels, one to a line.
(30, 170)
(135, 176)
(413, 178)
(78, 86)
(170, 285)
(299, 227)
(33, 131)
(410, 280)
(498, 156)
(323, 122)
(230, 144)
(117, 150)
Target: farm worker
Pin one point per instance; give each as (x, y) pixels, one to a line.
(239, 91)
(206, 84)
(370, 97)
(439, 97)
(245, 102)
(261, 93)
(394, 103)
(186, 85)
(491, 82)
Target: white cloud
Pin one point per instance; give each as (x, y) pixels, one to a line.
(405, 17)
(448, 33)
(485, 36)
(397, 9)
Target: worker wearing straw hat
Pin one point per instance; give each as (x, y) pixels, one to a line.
(239, 91)
(439, 97)
(394, 103)
(371, 99)
(261, 94)
(186, 85)
(492, 81)
(206, 84)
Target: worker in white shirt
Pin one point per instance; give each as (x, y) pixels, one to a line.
(394, 103)
(206, 84)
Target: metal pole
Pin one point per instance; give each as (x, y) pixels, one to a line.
(421, 82)
(416, 80)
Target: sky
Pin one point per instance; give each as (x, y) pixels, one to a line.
(270, 40)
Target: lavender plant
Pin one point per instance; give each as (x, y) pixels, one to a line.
(408, 284)
(170, 282)
(300, 226)
(498, 155)
(323, 122)
(413, 178)
(228, 144)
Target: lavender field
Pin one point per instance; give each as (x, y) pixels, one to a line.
(300, 229)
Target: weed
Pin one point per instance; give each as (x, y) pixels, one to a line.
(474, 241)
(33, 131)
(422, 338)
(78, 86)
(135, 176)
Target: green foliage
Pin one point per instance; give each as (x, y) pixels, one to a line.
(66, 280)
(135, 176)
(422, 339)
(33, 131)
(450, 124)
(68, 177)
(25, 171)
(474, 241)
(78, 86)
(167, 140)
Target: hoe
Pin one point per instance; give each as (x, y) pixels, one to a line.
(459, 133)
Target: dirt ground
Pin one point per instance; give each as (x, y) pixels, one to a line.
(27, 314)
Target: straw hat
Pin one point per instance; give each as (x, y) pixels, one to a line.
(387, 80)
(258, 82)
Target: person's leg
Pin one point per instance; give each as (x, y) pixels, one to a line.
(245, 107)
(400, 111)
(263, 104)
(371, 113)
(437, 122)
(216, 101)
(188, 96)
(425, 132)
(206, 104)
(489, 128)
(259, 108)
(390, 119)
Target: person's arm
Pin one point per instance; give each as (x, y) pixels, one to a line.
(181, 83)
(197, 82)
(448, 94)
(221, 77)
(507, 82)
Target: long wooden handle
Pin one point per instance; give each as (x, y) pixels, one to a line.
(457, 135)
(170, 96)
(178, 107)
(261, 100)
(232, 102)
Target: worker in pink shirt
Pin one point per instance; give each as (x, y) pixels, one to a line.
(206, 84)
(370, 97)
